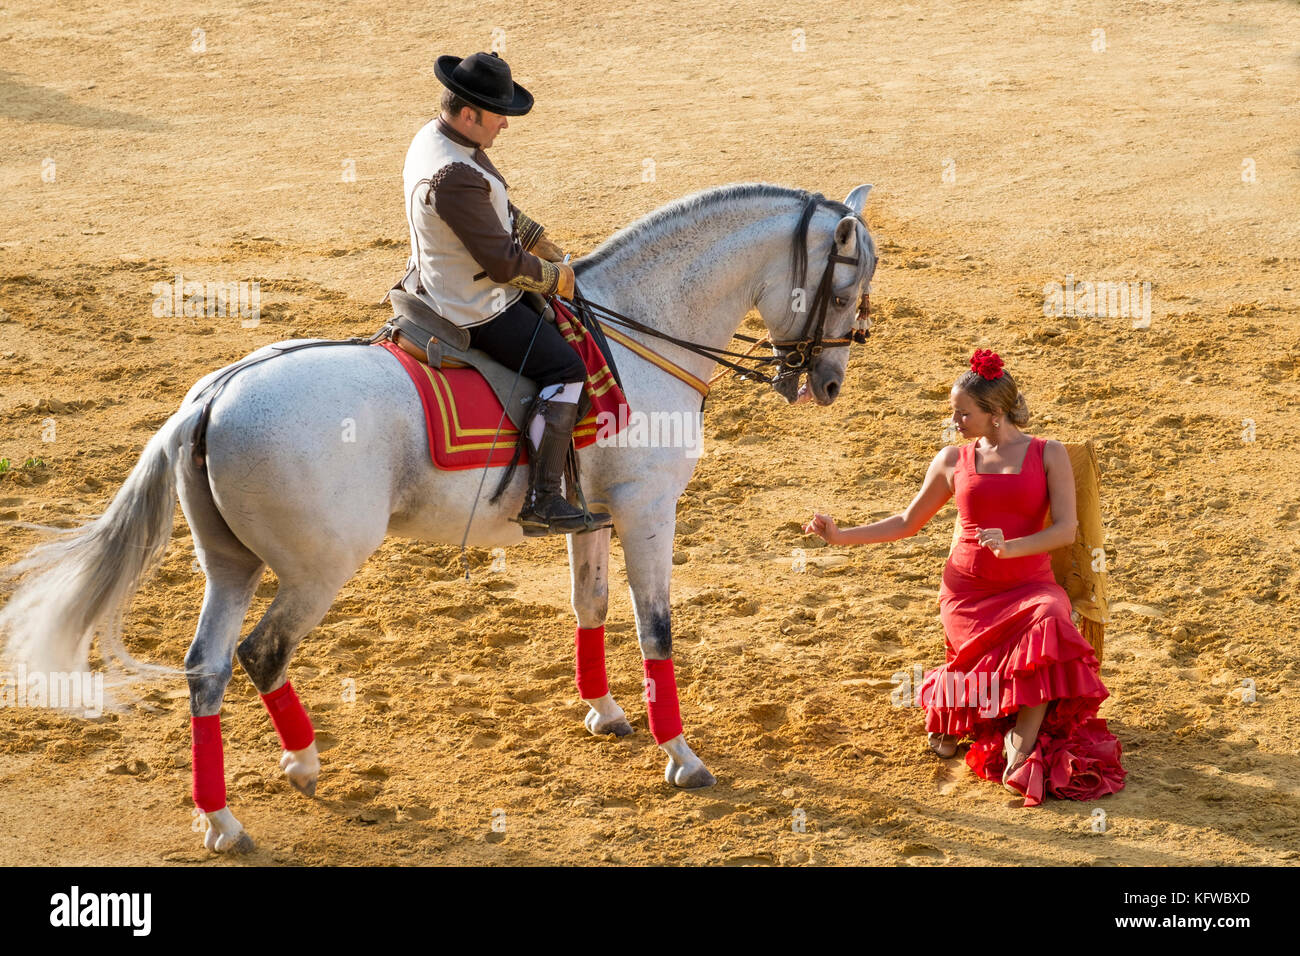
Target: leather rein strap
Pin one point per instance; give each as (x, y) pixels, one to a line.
(799, 352)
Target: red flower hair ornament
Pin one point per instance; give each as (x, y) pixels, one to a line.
(986, 363)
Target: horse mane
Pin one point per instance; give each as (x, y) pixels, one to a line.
(656, 221)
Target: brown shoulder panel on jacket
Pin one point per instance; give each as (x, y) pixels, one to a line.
(461, 196)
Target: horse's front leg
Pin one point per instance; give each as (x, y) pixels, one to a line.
(589, 572)
(648, 550)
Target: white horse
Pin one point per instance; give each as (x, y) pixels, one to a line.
(314, 456)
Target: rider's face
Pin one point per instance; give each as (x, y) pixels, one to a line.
(483, 129)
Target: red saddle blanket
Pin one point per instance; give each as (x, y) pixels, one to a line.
(466, 422)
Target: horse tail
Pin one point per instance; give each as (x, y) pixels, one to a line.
(82, 581)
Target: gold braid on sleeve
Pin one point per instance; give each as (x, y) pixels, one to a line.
(548, 283)
(529, 231)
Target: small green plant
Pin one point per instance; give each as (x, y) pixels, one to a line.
(31, 464)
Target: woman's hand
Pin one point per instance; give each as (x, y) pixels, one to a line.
(995, 541)
(824, 527)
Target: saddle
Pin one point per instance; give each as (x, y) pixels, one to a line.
(430, 339)
(427, 337)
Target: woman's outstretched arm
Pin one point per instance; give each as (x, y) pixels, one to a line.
(935, 492)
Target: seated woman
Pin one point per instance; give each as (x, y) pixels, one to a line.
(1007, 621)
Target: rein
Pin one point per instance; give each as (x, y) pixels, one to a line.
(799, 353)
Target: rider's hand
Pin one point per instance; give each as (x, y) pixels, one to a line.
(824, 527)
(564, 289)
(544, 248)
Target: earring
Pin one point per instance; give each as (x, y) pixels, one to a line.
(997, 424)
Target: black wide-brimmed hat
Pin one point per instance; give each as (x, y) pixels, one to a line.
(484, 80)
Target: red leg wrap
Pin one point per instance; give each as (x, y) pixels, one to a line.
(209, 763)
(590, 656)
(661, 700)
(290, 719)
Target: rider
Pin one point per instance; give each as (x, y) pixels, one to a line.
(474, 255)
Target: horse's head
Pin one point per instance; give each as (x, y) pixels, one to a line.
(792, 310)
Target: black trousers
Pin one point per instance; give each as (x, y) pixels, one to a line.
(550, 361)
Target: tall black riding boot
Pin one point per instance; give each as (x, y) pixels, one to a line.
(545, 510)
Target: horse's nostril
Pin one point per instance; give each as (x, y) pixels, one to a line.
(832, 390)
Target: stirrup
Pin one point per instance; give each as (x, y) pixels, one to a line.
(537, 520)
(580, 523)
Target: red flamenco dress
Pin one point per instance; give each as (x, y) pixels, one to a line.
(1008, 618)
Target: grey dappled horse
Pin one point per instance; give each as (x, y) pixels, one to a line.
(283, 489)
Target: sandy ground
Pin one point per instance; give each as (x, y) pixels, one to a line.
(1122, 164)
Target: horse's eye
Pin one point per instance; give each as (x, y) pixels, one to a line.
(840, 301)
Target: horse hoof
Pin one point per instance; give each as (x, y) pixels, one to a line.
(225, 834)
(302, 767)
(244, 844)
(694, 777)
(599, 726)
(619, 728)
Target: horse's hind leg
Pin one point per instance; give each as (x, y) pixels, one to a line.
(589, 571)
(302, 599)
(232, 573)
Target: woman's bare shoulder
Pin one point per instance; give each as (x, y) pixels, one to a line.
(948, 456)
(1054, 453)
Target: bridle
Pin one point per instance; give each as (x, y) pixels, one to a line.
(799, 353)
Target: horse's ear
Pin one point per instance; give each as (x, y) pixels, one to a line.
(846, 232)
(857, 200)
